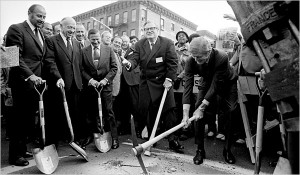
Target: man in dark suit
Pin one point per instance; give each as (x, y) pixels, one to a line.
(81, 35)
(218, 79)
(28, 37)
(64, 62)
(100, 67)
(130, 81)
(157, 59)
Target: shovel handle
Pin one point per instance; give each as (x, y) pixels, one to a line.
(41, 92)
(158, 116)
(67, 113)
(100, 106)
(41, 110)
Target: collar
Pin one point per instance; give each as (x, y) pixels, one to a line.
(32, 27)
(153, 42)
(182, 48)
(93, 48)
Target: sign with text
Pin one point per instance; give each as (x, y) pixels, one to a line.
(197, 81)
(225, 40)
(9, 57)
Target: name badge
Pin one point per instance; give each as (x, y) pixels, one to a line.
(159, 60)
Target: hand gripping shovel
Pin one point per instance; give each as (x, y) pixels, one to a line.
(137, 150)
(75, 147)
(147, 151)
(103, 140)
(46, 158)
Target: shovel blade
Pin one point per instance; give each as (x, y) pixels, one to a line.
(79, 150)
(103, 141)
(46, 159)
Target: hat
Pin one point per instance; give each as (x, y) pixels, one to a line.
(183, 33)
(199, 46)
(192, 36)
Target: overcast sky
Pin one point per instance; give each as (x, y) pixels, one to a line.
(207, 15)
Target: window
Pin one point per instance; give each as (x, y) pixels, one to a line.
(95, 24)
(162, 24)
(109, 21)
(124, 33)
(172, 27)
(143, 15)
(133, 15)
(125, 16)
(132, 32)
(117, 19)
(102, 21)
(88, 26)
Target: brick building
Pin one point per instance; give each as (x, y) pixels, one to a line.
(127, 18)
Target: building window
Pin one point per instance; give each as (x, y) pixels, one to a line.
(133, 15)
(88, 26)
(102, 21)
(143, 15)
(117, 19)
(124, 33)
(162, 24)
(132, 32)
(109, 21)
(95, 24)
(125, 17)
(172, 27)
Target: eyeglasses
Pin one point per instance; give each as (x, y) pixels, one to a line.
(150, 28)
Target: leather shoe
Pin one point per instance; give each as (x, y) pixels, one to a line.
(86, 142)
(21, 161)
(200, 155)
(115, 144)
(174, 145)
(229, 158)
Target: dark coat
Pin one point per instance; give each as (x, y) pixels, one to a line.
(131, 77)
(217, 74)
(31, 55)
(61, 64)
(156, 65)
(107, 67)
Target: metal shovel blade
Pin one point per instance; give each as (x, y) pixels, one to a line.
(103, 141)
(79, 150)
(46, 159)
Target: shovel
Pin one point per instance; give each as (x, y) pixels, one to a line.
(103, 140)
(46, 158)
(75, 147)
(147, 151)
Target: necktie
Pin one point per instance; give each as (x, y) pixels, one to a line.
(81, 45)
(36, 33)
(151, 45)
(69, 47)
(96, 56)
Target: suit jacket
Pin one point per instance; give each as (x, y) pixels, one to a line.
(217, 73)
(61, 64)
(107, 66)
(31, 54)
(156, 65)
(86, 43)
(131, 77)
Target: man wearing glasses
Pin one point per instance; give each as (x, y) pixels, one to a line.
(219, 79)
(157, 59)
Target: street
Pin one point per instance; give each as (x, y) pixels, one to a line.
(121, 161)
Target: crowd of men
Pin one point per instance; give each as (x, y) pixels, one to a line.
(132, 75)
